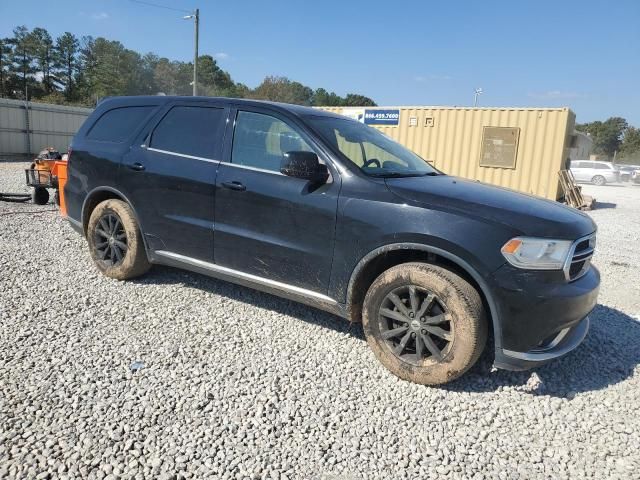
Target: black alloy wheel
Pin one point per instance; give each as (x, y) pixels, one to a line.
(111, 239)
(415, 325)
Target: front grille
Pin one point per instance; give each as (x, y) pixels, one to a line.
(581, 254)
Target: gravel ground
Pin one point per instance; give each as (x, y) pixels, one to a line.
(177, 375)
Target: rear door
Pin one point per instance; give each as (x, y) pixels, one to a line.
(575, 169)
(170, 179)
(607, 171)
(268, 224)
(588, 171)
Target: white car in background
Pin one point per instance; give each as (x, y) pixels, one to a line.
(595, 171)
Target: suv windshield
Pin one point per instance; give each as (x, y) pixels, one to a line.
(374, 153)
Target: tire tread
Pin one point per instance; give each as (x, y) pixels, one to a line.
(134, 266)
(475, 329)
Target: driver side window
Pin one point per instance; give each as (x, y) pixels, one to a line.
(374, 152)
(260, 141)
(352, 150)
(366, 154)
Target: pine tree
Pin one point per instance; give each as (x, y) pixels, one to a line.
(5, 62)
(66, 52)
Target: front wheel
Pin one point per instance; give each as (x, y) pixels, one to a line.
(115, 241)
(424, 323)
(599, 180)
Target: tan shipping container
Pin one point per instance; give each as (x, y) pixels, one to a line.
(518, 148)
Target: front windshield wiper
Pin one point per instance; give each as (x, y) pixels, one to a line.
(401, 174)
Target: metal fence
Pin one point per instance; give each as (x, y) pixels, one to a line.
(28, 127)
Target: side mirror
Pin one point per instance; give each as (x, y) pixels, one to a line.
(304, 165)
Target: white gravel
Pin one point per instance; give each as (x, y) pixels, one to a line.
(177, 375)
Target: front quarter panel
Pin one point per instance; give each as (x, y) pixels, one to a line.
(372, 218)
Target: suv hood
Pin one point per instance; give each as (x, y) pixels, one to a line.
(532, 216)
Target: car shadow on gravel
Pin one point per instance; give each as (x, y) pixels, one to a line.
(608, 355)
(604, 205)
(161, 275)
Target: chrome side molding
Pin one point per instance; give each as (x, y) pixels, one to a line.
(183, 155)
(266, 282)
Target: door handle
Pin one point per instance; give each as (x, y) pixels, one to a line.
(138, 167)
(234, 186)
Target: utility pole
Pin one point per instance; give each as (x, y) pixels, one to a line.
(195, 58)
(475, 97)
(196, 18)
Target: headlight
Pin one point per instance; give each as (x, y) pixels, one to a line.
(536, 253)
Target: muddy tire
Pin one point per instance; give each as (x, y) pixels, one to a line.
(115, 241)
(424, 323)
(40, 196)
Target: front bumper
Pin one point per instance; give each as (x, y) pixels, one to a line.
(541, 315)
(564, 342)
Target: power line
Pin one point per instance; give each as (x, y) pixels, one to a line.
(160, 6)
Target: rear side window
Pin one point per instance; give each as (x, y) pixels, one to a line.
(602, 166)
(195, 131)
(118, 124)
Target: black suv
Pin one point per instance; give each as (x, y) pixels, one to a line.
(327, 211)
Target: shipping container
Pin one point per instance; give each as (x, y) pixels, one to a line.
(518, 148)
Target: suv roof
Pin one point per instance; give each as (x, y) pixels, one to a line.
(298, 110)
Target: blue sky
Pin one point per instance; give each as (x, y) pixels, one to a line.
(580, 54)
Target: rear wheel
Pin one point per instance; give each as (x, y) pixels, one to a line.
(115, 241)
(424, 323)
(599, 180)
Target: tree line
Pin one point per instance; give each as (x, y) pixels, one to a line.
(78, 71)
(614, 139)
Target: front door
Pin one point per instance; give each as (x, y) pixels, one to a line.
(171, 180)
(267, 224)
(579, 171)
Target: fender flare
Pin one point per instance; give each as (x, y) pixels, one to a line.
(125, 199)
(106, 189)
(463, 264)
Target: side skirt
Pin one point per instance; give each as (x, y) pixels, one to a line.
(280, 289)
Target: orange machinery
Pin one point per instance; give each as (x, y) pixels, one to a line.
(49, 170)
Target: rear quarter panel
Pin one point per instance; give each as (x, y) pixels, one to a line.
(91, 167)
(94, 165)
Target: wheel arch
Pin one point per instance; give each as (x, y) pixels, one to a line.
(387, 256)
(99, 195)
